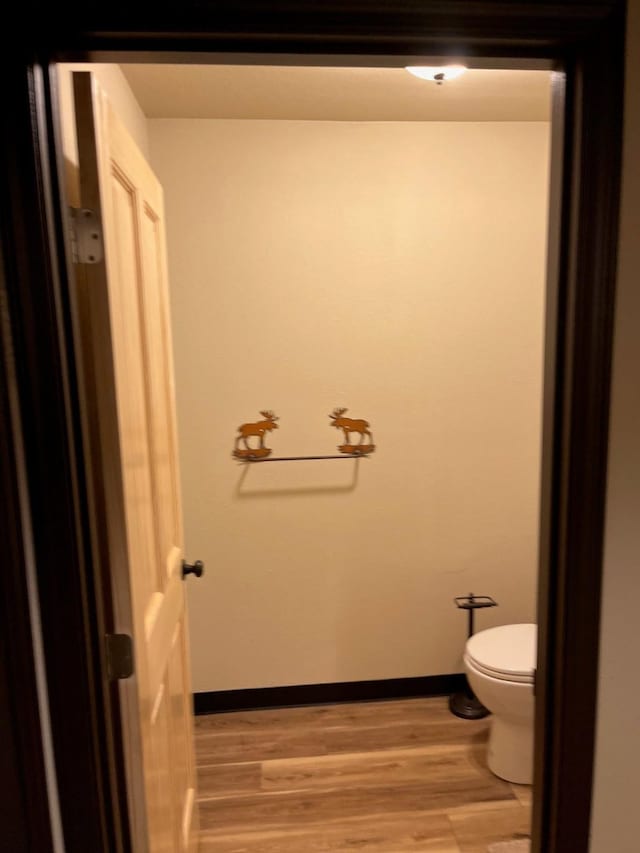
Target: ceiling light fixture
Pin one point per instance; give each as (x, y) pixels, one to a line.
(437, 73)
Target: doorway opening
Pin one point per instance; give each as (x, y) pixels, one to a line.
(401, 262)
(585, 44)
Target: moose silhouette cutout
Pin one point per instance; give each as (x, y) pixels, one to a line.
(255, 430)
(351, 425)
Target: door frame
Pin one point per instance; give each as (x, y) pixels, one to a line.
(584, 40)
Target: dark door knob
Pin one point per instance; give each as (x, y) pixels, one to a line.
(196, 569)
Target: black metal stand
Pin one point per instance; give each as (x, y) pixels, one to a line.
(466, 704)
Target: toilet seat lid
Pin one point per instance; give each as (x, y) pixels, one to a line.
(508, 652)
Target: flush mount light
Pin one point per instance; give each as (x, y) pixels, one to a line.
(437, 73)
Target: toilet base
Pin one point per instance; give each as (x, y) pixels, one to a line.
(510, 753)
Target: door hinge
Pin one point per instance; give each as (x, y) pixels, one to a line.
(86, 236)
(119, 656)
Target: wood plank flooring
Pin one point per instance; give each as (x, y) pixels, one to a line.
(383, 777)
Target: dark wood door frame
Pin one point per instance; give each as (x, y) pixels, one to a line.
(585, 40)
(24, 805)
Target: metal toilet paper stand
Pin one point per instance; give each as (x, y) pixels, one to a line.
(465, 704)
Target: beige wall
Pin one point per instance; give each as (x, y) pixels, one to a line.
(615, 823)
(396, 269)
(114, 83)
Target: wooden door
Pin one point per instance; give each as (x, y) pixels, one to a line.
(126, 355)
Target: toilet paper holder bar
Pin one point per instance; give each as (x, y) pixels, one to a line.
(471, 603)
(474, 602)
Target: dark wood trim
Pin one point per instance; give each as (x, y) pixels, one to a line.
(333, 27)
(584, 37)
(71, 615)
(582, 277)
(24, 804)
(255, 698)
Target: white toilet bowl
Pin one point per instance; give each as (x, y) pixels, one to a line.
(500, 663)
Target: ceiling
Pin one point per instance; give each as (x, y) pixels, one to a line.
(336, 94)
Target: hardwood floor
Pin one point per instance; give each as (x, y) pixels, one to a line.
(377, 776)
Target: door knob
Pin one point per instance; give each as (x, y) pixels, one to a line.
(196, 569)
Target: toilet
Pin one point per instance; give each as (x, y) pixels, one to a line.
(500, 665)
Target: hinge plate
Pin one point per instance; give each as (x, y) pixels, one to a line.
(119, 656)
(86, 236)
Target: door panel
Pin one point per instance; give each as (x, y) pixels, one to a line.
(129, 347)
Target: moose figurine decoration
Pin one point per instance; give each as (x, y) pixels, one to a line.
(351, 425)
(255, 430)
(253, 452)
